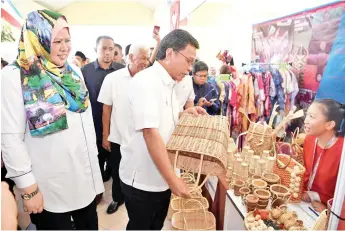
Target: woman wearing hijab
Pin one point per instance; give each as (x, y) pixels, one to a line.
(48, 138)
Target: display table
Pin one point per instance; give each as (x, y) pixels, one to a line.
(215, 192)
(235, 212)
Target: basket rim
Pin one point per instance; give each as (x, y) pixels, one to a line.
(279, 186)
(303, 169)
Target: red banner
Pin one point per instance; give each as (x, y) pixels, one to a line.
(304, 39)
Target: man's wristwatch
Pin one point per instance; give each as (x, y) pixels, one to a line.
(30, 195)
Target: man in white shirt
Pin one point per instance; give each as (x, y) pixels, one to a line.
(185, 93)
(145, 170)
(114, 96)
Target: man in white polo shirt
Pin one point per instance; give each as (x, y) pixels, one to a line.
(145, 170)
(114, 96)
(185, 93)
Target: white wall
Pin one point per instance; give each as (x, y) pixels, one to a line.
(84, 37)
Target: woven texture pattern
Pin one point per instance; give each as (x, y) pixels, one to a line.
(259, 137)
(284, 168)
(206, 136)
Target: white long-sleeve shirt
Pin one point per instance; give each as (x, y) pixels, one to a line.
(63, 164)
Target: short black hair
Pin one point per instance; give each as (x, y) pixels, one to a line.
(199, 66)
(81, 55)
(103, 37)
(177, 40)
(127, 49)
(118, 46)
(225, 69)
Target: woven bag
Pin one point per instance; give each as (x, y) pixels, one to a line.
(198, 219)
(259, 136)
(285, 168)
(200, 144)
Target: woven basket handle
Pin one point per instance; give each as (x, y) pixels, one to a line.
(277, 161)
(183, 210)
(238, 139)
(245, 114)
(175, 161)
(250, 136)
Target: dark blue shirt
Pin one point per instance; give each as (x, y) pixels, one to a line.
(209, 92)
(94, 76)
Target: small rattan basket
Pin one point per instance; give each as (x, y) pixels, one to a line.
(200, 219)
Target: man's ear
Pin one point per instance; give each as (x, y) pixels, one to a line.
(130, 57)
(168, 53)
(96, 49)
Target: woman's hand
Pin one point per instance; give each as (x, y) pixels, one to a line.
(9, 211)
(305, 197)
(318, 206)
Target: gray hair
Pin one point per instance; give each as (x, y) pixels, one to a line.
(136, 49)
(177, 40)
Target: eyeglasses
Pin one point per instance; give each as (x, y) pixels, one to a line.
(189, 61)
(201, 76)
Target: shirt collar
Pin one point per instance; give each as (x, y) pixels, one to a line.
(163, 74)
(97, 66)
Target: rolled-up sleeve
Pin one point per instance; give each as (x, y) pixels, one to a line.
(13, 125)
(144, 102)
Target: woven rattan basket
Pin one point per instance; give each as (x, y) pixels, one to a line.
(200, 219)
(259, 136)
(179, 203)
(280, 192)
(285, 168)
(200, 144)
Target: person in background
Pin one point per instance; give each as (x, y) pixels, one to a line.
(206, 95)
(224, 70)
(118, 55)
(113, 96)
(81, 58)
(324, 126)
(9, 211)
(153, 56)
(212, 76)
(145, 170)
(48, 139)
(3, 63)
(126, 52)
(94, 74)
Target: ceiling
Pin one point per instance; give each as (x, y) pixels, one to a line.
(58, 5)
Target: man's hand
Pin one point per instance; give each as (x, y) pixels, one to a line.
(9, 211)
(106, 144)
(208, 103)
(179, 188)
(195, 111)
(35, 204)
(201, 102)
